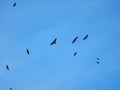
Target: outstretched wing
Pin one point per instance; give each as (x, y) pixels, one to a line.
(27, 51)
(98, 58)
(97, 62)
(75, 39)
(54, 41)
(85, 37)
(14, 4)
(7, 67)
(75, 53)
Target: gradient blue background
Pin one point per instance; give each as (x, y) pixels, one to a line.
(33, 24)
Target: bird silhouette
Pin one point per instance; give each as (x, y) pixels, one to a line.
(28, 52)
(10, 88)
(14, 4)
(75, 53)
(74, 39)
(53, 42)
(85, 37)
(7, 67)
(98, 58)
(97, 62)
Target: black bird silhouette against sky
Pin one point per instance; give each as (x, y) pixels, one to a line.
(74, 39)
(75, 53)
(85, 37)
(28, 52)
(7, 67)
(53, 42)
(97, 62)
(14, 4)
(98, 58)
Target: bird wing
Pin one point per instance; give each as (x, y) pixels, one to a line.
(98, 58)
(27, 51)
(75, 39)
(75, 53)
(14, 4)
(7, 67)
(85, 37)
(53, 42)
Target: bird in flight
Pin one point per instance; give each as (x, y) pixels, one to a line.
(27, 51)
(85, 37)
(54, 41)
(14, 4)
(98, 58)
(97, 62)
(10, 88)
(75, 53)
(7, 67)
(74, 39)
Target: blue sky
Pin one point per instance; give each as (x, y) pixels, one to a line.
(34, 24)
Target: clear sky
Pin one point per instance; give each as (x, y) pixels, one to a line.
(34, 24)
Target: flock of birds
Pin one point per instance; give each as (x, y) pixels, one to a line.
(53, 43)
(74, 40)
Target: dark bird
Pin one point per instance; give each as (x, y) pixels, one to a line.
(85, 37)
(75, 53)
(54, 41)
(98, 58)
(27, 51)
(10, 88)
(7, 67)
(14, 4)
(74, 39)
(97, 62)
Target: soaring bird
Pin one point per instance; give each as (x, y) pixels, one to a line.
(98, 58)
(10, 88)
(14, 4)
(27, 51)
(97, 62)
(7, 67)
(75, 53)
(85, 37)
(74, 39)
(54, 41)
